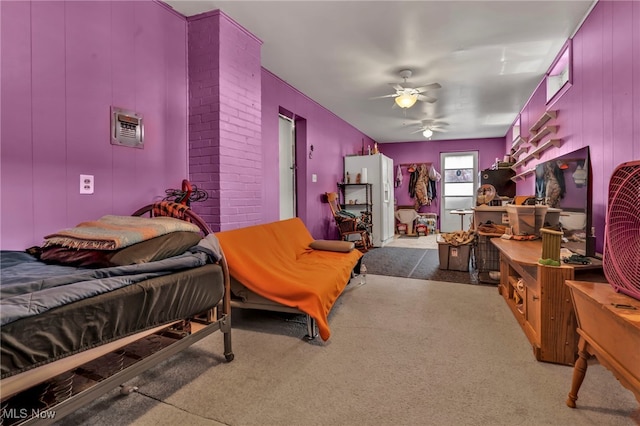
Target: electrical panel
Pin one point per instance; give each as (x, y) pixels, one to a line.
(127, 128)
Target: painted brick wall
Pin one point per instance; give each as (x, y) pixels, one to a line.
(204, 113)
(601, 110)
(225, 147)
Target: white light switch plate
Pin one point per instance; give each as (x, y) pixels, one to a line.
(86, 184)
(314, 177)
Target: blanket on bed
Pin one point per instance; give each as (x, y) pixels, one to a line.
(114, 232)
(29, 287)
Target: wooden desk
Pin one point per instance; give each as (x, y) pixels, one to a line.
(609, 329)
(539, 299)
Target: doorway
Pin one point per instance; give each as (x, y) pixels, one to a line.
(287, 167)
(459, 183)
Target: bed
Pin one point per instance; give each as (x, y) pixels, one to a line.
(103, 325)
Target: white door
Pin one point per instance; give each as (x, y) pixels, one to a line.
(459, 183)
(287, 168)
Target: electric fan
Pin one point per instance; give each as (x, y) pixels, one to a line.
(485, 194)
(621, 257)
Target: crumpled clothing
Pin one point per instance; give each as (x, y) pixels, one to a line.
(458, 238)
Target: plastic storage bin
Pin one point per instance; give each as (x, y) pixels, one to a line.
(454, 258)
(494, 214)
(526, 220)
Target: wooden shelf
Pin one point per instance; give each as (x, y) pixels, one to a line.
(521, 150)
(523, 175)
(546, 145)
(548, 115)
(519, 141)
(543, 309)
(545, 131)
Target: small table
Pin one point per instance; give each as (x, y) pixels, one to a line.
(462, 213)
(609, 329)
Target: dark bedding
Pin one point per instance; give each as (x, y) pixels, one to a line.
(51, 311)
(30, 287)
(69, 329)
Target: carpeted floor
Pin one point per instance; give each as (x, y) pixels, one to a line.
(402, 352)
(414, 263)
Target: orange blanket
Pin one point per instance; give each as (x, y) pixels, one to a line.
(274, 260)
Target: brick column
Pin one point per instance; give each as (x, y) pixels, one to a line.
(225, 126)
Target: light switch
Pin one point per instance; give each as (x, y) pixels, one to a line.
(314, 177)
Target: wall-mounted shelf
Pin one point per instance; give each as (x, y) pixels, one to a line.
(546, 145)
(521, 150)
(518, 141)
(545, 131)
(523, 175)
(519, 163)
(548, 115)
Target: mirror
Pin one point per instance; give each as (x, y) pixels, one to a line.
(565, 183)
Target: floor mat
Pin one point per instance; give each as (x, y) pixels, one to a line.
(413, 263)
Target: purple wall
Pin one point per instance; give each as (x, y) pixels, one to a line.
(601, 110)
(63, 65)
(429, 152)
(332, 138)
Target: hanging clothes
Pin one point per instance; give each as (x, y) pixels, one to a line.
(398, 177)
(421, 189)
(413, 178)
(434, 177)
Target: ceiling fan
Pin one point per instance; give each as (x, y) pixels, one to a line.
(406, 97)
(428, 126)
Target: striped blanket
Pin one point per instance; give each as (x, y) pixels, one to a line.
(115, 232)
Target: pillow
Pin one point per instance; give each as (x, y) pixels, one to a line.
(332, 245)
(75, 257)
(154, 249)
(157, 248)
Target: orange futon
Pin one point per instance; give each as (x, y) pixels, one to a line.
(275, 261)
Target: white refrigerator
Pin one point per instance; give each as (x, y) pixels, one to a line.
(376, 169)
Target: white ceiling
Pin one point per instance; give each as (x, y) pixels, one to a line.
(488, 56)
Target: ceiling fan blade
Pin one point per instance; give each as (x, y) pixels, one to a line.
(396, 86)
(431, 86)
(418, 131)
(425, 98)
(385, 96)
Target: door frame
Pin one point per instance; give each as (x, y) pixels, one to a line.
(292, 196)
(445, 215)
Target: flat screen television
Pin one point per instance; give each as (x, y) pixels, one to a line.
(565, 182)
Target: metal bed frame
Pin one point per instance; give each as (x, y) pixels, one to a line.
(183, 332)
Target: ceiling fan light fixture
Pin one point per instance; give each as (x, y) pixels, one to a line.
(406, 101)
(427, 133)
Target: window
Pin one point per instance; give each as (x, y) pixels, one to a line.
(515, 130)
(559, 77)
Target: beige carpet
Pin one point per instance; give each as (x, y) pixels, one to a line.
(423, 242)
(402, 352)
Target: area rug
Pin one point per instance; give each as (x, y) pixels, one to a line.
(413, 263)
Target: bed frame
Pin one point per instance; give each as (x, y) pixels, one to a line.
(172, 337)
